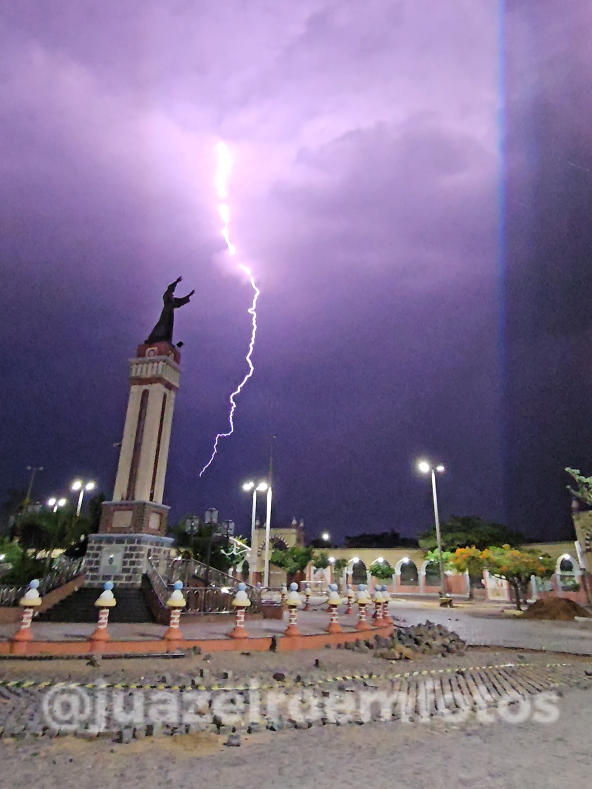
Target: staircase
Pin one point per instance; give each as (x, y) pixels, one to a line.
(80, 607)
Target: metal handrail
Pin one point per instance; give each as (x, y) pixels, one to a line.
(204, 600)
(179, 570)
(10, 595)
(159, 584)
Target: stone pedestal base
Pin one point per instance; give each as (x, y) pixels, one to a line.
(133, 517)
(123, 559)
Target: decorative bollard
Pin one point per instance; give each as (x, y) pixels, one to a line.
(104, 602)
(351, 596)
(284, 594)
(307, 594)
(241, 602)
(293, 601)
(175, 602)
(362, 600)
(28, 602)
(334, 601)
(378, 600)
(385, 601)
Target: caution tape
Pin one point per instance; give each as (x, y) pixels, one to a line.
(34, 684)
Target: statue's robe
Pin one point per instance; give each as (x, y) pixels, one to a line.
(163, 331)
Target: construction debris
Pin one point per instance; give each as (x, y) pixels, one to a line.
(407, 643)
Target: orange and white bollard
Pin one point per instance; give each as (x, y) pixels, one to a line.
(241, 602)
(378, 599)
(351, 596)
(334, 601)
(385, 601)
(293, 601)
(104, 602)
(307, 594)
(29, 602)
(362, 601)
(175, 602)
(283, 595)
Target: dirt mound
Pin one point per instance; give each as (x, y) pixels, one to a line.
(558, 608)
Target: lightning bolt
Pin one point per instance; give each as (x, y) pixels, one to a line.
(221, 181)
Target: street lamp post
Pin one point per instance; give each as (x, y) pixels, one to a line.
(267, 533)
(56, 504)
(33, 470)
(427, 468)
(81, 486)
(247, 487)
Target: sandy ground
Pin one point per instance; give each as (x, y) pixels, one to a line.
(437, 755)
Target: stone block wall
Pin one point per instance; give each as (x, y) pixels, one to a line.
(123, 559)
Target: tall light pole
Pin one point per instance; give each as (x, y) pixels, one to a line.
(267, 534)
(33, 470)
(427, 468)
(260, 488)
(81, 486)
(268, 514)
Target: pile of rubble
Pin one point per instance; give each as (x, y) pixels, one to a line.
(407, 643)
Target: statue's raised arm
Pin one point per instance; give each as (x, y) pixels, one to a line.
(163, 331)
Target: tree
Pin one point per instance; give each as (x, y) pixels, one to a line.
(11, 511)
(293, 560)
(339, 566)
(47, 532)
(205, 545)
(462, 531)
(385, 539)
(321, 560)
(583, 492)
(24, 569)
(10, 552)
(95, 508)
(382, 570)
(318, 542)
(462, 560)
(513, 565)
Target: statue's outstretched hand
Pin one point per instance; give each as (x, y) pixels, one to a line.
(191, 294)
(178, 279)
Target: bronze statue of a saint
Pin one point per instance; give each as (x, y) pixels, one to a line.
(163, 331)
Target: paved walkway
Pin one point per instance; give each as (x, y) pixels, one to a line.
(487, 630)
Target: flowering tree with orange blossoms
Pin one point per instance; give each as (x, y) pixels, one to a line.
(516, 566)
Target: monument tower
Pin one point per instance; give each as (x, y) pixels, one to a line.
(133, 524)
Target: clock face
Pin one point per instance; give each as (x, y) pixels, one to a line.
(152, 351)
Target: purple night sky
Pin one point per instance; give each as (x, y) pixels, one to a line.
(422, 293)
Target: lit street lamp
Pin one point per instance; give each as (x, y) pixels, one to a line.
(427, 468)
(325, 536)
(247, 487)
(56, 503)
(81, 486)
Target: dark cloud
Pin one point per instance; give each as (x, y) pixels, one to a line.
(364, 195)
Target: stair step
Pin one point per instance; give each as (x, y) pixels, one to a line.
(79, 607)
